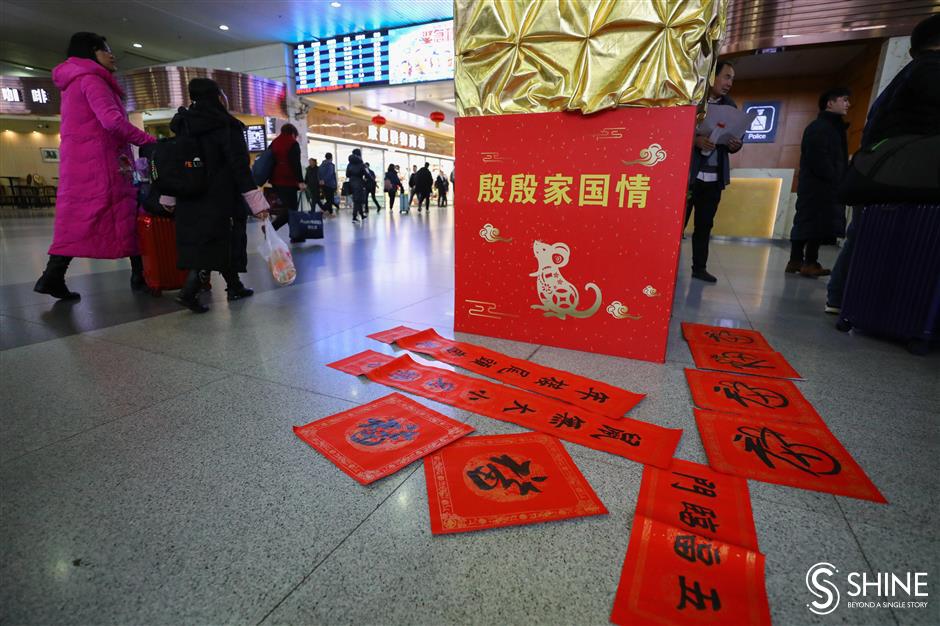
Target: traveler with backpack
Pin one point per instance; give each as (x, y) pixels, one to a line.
(211, 224)
(287, 177)
(96, 207)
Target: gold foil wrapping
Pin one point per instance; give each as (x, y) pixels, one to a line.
(531, 56)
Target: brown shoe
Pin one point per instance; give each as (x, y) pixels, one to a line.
(793, 267)
(822, 270)
(811, 271)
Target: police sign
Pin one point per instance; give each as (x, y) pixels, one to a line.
(764, 127)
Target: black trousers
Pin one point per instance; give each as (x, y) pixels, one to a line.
(391, 199)
(288, 198)
(374, 200)
(804, 251)
(425, 198)
(329, 195)
(442, 199)
(705, 199)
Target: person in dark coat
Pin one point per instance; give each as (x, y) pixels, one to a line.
(312, 180)
(356, 177)
(710, 174)
(820, 217)
(424, 183)
(392, 185)
(412, 181)
(287, 177)
(442, 186)
(371, 185)
(211, 227)
(909, 105)
(327, 172)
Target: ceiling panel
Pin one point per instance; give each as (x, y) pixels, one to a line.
(35, 33)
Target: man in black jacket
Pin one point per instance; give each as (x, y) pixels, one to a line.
(820, 217)
(356, 177)
(371, 184)
(711, 173)
(424, 183)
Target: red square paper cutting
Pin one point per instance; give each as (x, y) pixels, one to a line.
(741, 338)
(750, 395)
(505, 480)
(377, 439)
(798, 455)
(742, 361)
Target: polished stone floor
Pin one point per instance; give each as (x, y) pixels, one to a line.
(149, 474)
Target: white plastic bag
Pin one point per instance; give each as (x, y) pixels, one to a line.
(277, 254)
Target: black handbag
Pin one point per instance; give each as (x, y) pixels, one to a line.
(898, 169)
(305, 224)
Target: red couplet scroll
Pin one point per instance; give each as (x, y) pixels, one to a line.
(505, 480)
(674, 577)
(379, 438)
(580, 391)
(695, 498)
(798, 455)
(567, 227)
(638, 441)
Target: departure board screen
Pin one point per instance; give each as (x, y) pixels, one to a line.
(342, 62)
(410, 54)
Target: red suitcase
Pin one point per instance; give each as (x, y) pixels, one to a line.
(158, 250)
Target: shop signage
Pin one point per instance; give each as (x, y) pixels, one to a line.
(396, 138)
(763, 128)
(568, 229)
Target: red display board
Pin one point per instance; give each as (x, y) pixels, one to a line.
(568, 227)
(379, 438)
(505, 480)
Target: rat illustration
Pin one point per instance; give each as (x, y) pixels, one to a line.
(559, 297)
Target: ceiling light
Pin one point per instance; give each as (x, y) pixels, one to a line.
(26, 67)
(228, 69)
(335, 5)
(789, 36)
(869, 27)
(223, 27)
(137, 45)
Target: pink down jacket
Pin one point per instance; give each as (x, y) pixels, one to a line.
(96, 209)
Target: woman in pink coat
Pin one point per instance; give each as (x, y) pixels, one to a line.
(96, 210)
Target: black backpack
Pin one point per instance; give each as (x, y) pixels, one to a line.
(177, 166)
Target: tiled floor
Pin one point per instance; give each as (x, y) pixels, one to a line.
(149, 474)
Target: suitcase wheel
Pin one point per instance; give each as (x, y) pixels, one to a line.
(844, 325)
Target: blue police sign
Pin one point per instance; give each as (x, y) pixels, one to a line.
(764, 127)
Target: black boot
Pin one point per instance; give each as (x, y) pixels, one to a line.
(137, 274)
(52, 281)
(189, 294)
(234, 287)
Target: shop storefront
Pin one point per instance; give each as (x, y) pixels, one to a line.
(339, 134)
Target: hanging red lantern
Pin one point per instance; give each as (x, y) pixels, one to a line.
(437, 117)
(378, 120)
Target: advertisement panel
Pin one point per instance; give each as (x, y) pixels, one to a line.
(568, 227)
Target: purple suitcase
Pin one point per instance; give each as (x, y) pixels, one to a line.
(893, 287)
